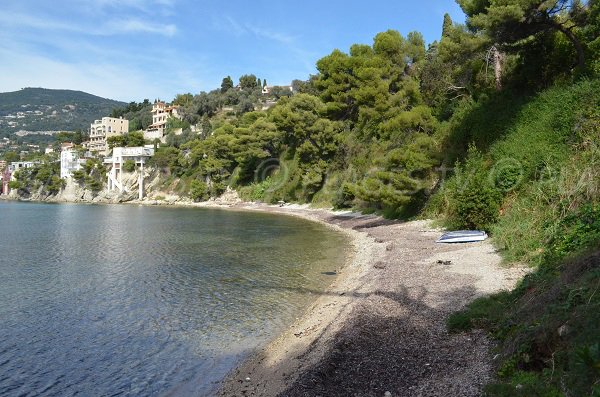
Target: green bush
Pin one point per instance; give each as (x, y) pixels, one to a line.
(129, 166)
(14, 185)
(56, 184)
(344, 197)
(256, 191)
(78, 175)
(577, 231)
(476, 206)
(93, 184)
(198, 190)
(474, 201)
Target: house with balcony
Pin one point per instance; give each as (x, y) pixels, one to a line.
(17, 165)
(115, 163)
(101, 130)
(70, 161)
(161, 113)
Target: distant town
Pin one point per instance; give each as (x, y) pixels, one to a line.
(73, 157)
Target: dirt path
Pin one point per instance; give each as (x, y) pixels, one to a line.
(380, 329)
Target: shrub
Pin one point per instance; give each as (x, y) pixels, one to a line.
(198, 190)
(129, 166)
(344, 197)
(474, 201)
(577, 231)
(56, 184)
(477, 206)
(93, 184)
(78, 175)
(14, 184)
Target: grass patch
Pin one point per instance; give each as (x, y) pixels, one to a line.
(544, 165)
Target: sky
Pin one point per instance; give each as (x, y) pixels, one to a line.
(130, 50)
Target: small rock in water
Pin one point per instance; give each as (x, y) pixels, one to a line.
(387, 394)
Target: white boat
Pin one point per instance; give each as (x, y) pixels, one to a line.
(462, 236)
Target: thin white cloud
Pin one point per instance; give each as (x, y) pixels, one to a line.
(229, 25)
(138, 75)
(114, 27)
(138, 25)
(271, 35)
(147, 6)
(21, 21)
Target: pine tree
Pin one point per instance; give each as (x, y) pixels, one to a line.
(226, 84)
(447, 25)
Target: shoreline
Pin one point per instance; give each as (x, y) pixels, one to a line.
(397, 276)
(380, 326)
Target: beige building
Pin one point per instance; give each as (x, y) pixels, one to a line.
(100, 130)
(161, 112)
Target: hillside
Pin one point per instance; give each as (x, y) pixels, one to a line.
(41, 109)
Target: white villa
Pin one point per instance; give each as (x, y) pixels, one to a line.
(69, 161)
(160, 114)
(17, 165)
(138, 154)
(100, 130)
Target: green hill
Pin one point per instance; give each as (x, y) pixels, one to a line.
(41, 109)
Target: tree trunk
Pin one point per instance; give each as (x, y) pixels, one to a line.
(574, 40)
(498, 60)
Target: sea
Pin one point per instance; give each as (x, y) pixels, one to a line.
(127, 300)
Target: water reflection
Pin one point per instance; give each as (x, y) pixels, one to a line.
(99, 300)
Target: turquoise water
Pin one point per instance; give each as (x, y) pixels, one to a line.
(126, 300)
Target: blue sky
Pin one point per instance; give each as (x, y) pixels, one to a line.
(135, 49)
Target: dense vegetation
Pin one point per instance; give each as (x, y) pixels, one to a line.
(51, 110)
(536, 187)
(496, 126)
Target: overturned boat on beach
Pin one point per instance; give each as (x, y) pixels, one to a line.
(462, 236)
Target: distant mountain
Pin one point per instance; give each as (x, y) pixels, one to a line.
(41, 109)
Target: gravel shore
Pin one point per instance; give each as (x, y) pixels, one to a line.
(380, 329)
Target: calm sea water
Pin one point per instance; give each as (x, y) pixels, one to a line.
(124, 300)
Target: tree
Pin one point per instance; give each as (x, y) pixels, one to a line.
(135, 139)
(129, 165)
(305, 87)
(510, 22)
(279, 91)
(9, 157)
(248, 82)
(447, 25)
(226, 84)
(116, 141)
(183, 99)
(198, 190)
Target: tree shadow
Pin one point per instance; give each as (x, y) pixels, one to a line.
(361, 222)
(402, 347)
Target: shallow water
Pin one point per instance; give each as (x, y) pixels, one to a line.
(127, 300)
